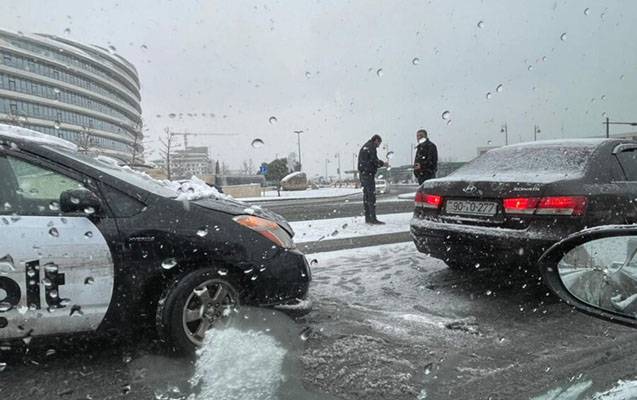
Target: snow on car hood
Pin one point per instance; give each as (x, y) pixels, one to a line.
(200, 193)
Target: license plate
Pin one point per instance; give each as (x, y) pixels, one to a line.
(465, 207)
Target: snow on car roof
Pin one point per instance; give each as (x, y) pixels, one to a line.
(590, 142)
(28, 135)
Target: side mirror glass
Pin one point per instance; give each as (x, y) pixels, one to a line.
(79, 200)
(602, 273)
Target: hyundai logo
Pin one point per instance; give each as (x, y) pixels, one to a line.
(471, 189)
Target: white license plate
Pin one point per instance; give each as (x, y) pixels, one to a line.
(465, 207)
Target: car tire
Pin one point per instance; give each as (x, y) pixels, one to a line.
(192, 304)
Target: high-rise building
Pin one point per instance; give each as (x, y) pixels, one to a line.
(191, 161)
(82, 93)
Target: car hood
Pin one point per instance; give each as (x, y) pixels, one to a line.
(235, 207)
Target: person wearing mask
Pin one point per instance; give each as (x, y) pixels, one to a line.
(368, 164)
(426, 161)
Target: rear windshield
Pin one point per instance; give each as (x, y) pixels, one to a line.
(529, 163)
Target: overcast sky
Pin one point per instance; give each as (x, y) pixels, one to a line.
(314, 65)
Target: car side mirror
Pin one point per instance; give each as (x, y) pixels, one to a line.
(596, 272)
(80, 200)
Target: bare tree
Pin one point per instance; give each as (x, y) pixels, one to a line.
(85, 140)
(167, 147)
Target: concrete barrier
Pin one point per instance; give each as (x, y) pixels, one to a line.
(239, 191)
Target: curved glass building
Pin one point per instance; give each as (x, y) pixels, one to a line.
(78, 92)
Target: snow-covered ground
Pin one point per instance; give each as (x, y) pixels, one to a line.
(341, 228)
(272, 195)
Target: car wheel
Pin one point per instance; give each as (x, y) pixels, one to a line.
(191, 305)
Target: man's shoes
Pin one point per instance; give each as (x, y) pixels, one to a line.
(377, 222)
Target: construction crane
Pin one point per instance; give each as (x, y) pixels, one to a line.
(186, 134)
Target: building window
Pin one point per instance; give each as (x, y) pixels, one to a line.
(7, 58)
(14, 108)
(11, 84)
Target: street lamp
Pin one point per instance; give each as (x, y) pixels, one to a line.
(504, 129)
(298, 141)
(608, 123)
(536, 130)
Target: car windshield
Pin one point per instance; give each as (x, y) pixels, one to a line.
(532, 162)
(110, 166)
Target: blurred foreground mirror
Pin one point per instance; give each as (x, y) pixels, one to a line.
(603, 273)
(596, 271)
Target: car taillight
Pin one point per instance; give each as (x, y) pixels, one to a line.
(428, 200)
(553, 205)
(562, 205)
(520, 205)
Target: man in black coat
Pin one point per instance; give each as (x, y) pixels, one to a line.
(426, 162)
(368, 164)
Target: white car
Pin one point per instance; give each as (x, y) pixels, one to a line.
(382, 186)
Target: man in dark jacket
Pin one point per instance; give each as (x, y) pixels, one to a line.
(426, 162)
(368, 164)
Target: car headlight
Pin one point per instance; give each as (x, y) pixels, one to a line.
(266, 228)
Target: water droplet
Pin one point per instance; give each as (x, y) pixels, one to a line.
(222, 272)
(172, 115)
(621, 77)
(499, 88)
(5, 306)
(257, 143)
(144, 47)
(305, 333)
(488, 293)
(50, 267)
(530, 68)
(563, 37)
(88, 234)
(415, 61)
(446, 115)
(112, 49)
(308, 74)
(488, 96)
(272, 120)
(127, 359)
(67, 31)
(169, 263)
(202, 232)
(544, 58)
(54, 232)
(480, 24)
(379, 72)
(314, 262)
(604, 114)
(587, 11)
(390, 155)
(76, 311)
(603, 97)
(489, 142)
(54, 206)
(449, 122)
(89, 280)
(3, 366)
(57, 125)
(89, 210)
(75, 200)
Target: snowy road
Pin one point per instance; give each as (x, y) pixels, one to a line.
(388, 323)
(340, 228)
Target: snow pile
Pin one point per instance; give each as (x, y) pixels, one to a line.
(322, 193)
(298, 174)
(17, 133)
(235, 364)
(341, 228)
(193, 189)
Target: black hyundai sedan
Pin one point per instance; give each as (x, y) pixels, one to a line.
(506, 207)
(88, 246)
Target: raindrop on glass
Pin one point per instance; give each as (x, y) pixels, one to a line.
(88, 234)
(499, 88)
(75, 200)
(257, 143)
(488, 96)
(480, 24)
(530, 68)
(89, 210)
(390, 155)
(3, 366)
(89, 280)
(144, 47)
(488, 293)
(54, 206)
(5, 306)
(54, 232)
(203, 232)
(172, 115)
(379, 72)
(308, 74)
(563, 37)
(603, 97)
(587, 11)
(112, 49)
(446, 115)
(415, 61)
(169, 263)
(272, 120)
(56, 124)
(67, 31)
(222, 272)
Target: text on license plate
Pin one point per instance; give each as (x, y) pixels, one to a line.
(471, 207)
